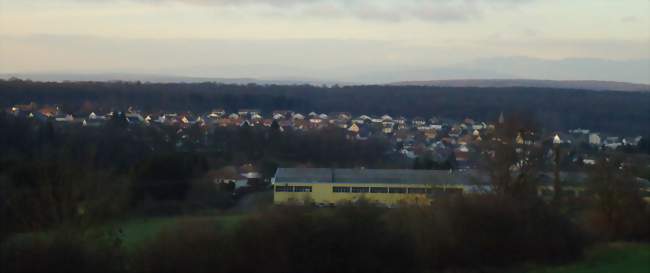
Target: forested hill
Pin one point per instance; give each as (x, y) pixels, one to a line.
(608, 111)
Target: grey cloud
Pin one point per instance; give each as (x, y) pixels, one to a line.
(390, 11)
(341, 59)
(274, 3)
(629, 19)
(324, 10)
(368, 11)
(446, 13)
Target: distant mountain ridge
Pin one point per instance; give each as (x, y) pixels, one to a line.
(156, 78)
(582, 84)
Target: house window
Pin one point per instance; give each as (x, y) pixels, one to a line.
(378, 190)
(284, 188)
(360, 189)
(302, 188)
(417, 190)
(340, 189)
(396, 190)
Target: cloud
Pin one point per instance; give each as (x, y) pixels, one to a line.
(629, 19)
(373, 10)
(343, 59)
(275, 3)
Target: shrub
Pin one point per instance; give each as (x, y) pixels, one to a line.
(343, 239)
(477, 233)
(482, 232)
(617, 210)
(634, 225)
(192, 245)
(62, 252)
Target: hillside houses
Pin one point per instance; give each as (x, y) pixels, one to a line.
(414, 137)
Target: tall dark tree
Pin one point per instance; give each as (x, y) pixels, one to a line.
(619, 211)
(512, 157)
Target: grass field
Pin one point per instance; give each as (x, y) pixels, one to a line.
(137, 231)
(609, 258)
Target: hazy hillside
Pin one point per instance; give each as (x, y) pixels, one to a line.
(521, 68)
(587, 85)
(567, 69)
(155, 78)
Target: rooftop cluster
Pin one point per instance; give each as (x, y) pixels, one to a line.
(442, 140)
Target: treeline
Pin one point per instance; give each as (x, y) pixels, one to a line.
(491, 232)
(64, 183)
(52, 175)
(329, 147)
(616, 112)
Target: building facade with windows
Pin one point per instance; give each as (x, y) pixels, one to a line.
(321, 186)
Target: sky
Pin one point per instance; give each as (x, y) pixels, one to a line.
(348, 40)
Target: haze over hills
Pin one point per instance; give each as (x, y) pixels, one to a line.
(567, 69)
(519, 67)
(587, 85)
(572, 72)
(487, 83)
(156, 78)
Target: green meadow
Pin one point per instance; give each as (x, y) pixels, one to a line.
(608, 258)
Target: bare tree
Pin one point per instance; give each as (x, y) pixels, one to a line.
(512, 156)
(618, 208)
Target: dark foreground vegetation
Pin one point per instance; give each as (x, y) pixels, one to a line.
(52, 175)
(477, 234)
(63, 189)
(605, 258)
(615, 112)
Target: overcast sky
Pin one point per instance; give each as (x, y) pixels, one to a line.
(334, 39)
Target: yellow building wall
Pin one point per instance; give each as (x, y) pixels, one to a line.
(322, 193)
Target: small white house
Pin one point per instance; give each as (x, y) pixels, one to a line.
(594, 139)
(298, 116)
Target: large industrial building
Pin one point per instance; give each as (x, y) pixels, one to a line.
(323, 186)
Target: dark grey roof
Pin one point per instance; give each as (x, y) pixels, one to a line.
(384, 176)
(406, 176)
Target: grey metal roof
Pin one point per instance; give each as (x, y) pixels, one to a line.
(406, 176)
(383, 176)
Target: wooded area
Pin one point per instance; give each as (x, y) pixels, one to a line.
(556, 109)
